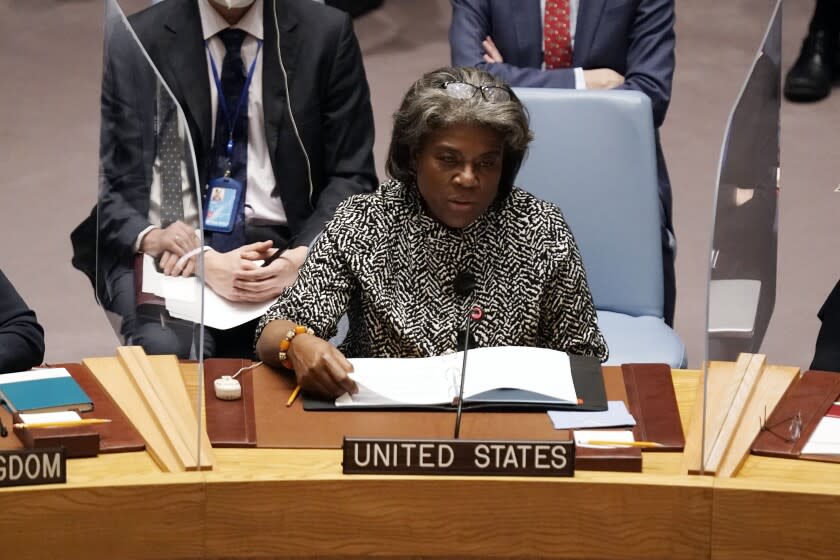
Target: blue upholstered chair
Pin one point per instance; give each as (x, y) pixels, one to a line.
(594, 156)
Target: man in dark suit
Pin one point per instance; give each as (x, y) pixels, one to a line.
(613, 44)
(294, 172)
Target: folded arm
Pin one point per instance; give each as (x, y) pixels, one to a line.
(650, 55)
(470, 28)
(21, 337)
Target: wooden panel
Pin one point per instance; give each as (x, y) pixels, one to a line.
(160, 405)
(706, 421)
(167, 372)
(744, 388)
(752, 523)
(597, 515)
(115, 380)
(774, 382)
(159, 521)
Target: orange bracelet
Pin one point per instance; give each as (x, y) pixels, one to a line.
(287, 341)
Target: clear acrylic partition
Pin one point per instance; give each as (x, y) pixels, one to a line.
(742, 271)
(147, 177)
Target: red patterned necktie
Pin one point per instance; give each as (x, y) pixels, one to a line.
(557, 34)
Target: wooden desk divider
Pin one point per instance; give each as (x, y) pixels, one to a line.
(735, 398)
(692, 454)
(167, 372)
(158, 403)
(741, 386)
(774, 382)
(131, 380)
(115, 380)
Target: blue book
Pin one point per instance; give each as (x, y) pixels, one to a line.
(43, 390)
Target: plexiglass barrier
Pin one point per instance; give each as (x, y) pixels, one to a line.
(742, 265)
(148, 258)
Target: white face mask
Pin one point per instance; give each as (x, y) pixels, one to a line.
(233, 3)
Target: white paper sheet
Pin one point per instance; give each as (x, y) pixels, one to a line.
(42, 417)
(183, 300)
(826, 438)
(436, 380)
(584, 436)
(615, 416)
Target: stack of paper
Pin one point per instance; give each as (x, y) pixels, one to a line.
(826, 437)
(183, 300)
(615, 416)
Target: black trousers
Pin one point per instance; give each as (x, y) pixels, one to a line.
(826, 16)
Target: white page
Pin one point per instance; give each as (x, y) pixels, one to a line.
(826, 438)
(616, 415)
(33, 375)
(219, 313)
(435, 380)
(584, 436)
(183, 300)
(401, 381)
(538, 370)
(41, 417)
(168, 287)
(151, 277)
(180, 288)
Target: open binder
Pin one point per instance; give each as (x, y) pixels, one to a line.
(806, 402)
(586, 376)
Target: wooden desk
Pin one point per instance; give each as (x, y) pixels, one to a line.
(264, 503)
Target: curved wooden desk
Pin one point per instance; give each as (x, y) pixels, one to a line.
(263, 503)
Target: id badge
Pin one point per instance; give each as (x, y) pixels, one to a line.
(220, 208)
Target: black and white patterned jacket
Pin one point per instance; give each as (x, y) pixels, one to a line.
(390, 266)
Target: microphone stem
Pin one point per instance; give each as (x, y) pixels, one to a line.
(463, 377)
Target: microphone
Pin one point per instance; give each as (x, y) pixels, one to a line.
(464, 285)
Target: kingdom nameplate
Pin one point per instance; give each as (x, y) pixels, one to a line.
(24, 467)
(458, 457)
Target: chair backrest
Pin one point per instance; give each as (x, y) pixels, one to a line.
(594, 156)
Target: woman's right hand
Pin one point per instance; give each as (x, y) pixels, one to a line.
(320, 367)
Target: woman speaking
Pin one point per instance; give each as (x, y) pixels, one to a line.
(448, 232)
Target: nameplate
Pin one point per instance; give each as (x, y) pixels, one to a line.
(24, 467)
(458, 457)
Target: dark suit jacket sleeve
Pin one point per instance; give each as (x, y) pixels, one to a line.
(650, 55)
(21, 337)
(347, 121)
(126, 109)
(470, 25)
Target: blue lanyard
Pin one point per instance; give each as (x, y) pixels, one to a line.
(242, 96)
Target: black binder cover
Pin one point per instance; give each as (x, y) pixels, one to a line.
(586, 375)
